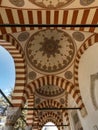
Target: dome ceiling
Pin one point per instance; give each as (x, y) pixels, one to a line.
(50, 51)
(50, 91)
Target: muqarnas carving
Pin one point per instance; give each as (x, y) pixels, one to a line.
(93, 78)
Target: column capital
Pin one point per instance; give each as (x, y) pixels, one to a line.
(13, 113)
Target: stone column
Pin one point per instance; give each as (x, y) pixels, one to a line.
(28, 127)
(13, 113)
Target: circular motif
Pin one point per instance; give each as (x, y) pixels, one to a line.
(50, 51)
(37, 100)
(32, 75)
(78, 36)
(62, 101)
(18, 3)
(40, 113)
(68, 75)
(51, 4)
(86, 2)
(23, 36)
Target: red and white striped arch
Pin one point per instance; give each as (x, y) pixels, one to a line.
(30, 114)
(50, 102)
(55, 104)
(89, 42)
(16, 52)
(50, 116)
(35, 16)
(57, 81)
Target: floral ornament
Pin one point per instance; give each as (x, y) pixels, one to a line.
(50, 51)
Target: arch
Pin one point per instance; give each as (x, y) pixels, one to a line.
(57, 81)
(51, 117)
(7, 71)
(16, 52)
(54, 127)
(55, 104)
(89, 42)
(30, 114)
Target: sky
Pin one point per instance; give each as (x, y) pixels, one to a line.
(51, 127)
(7, 71)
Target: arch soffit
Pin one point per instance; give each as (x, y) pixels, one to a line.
(87, 43)
(12, 46)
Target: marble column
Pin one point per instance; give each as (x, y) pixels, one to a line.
(13, 113)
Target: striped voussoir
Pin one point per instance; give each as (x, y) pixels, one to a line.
(50, 116)
(51, 103)
(35, 121)
(27, 16)
(56, 81)
(30, 114)
(16, 52)
(89, 42)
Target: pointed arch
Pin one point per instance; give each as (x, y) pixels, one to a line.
(55, 104)
(89, 42)
(50, 116)
(11, 45)
(57, 81)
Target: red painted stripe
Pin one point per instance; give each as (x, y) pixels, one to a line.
(65, 15)
(30, 17)
(84, 18)
(10, 18)
(48, 18)
(56, 15)
(95, 21)
(0, 2)
(74, 18)
(2, 29)
(39, 17)
(21, 19)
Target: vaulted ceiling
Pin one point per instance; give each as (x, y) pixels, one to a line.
(47, 58)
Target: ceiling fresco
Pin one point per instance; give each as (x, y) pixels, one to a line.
(50, 51)
(51, 4)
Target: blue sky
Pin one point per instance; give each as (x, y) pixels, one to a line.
(7, 71)
(51, 127)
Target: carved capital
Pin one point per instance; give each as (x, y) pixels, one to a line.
(13, 113)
